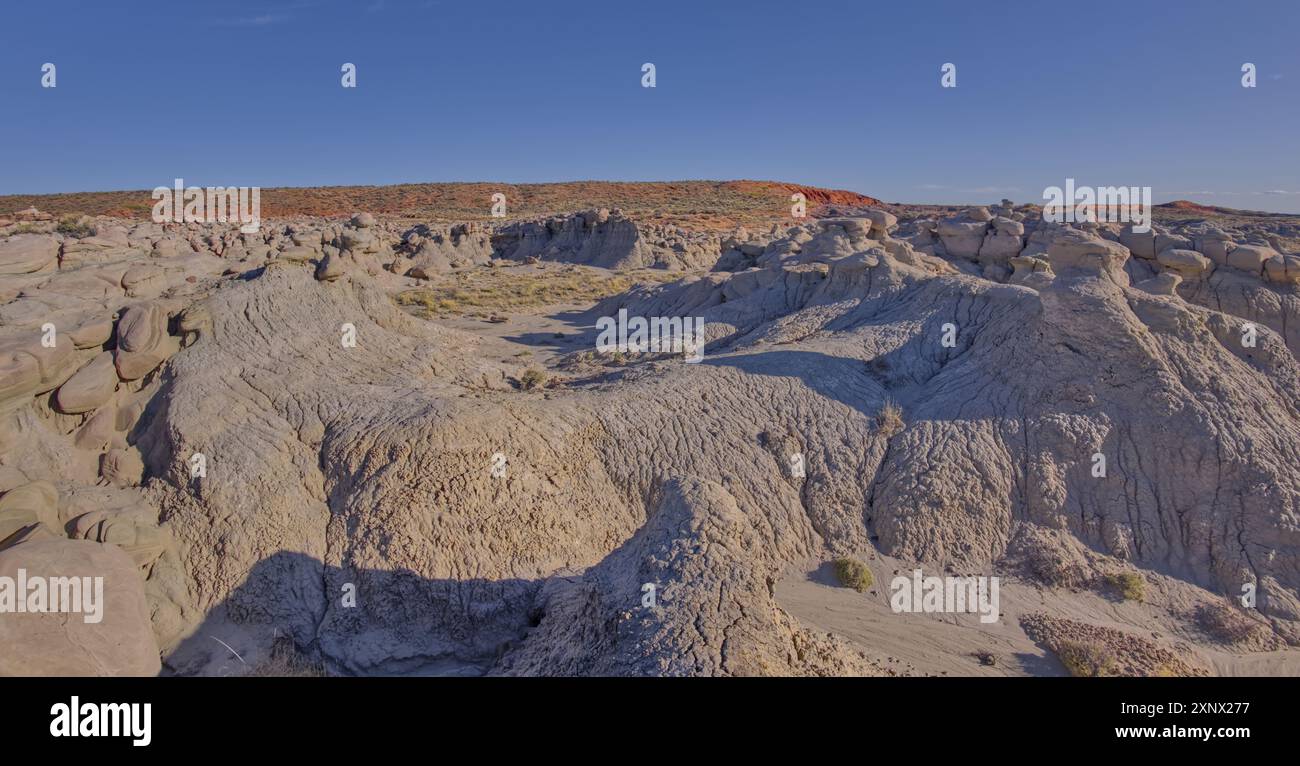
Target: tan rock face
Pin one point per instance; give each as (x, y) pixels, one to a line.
(23, 506)
(1188, 264)
(1283, 269)
(962, 238)
(1250, 257)
(93, 332)
(330, 268)
(1074, 252)
(1215, 246)
(143, 280)
(1165, 283)
(1140, 244)
(123, 467)
(298, 254)
(135, 531)
(66, 643)
(28, 254)
(141, 327)
(30, 367)
(96, 433)
(20, 375)
(88, 388)
(142, 340)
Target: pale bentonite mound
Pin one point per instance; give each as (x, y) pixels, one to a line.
(397, 505)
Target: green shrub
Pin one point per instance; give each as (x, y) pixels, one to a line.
(853, 574)
(532, 378)
(1129, 585)
(75, 227)
(1086, 660)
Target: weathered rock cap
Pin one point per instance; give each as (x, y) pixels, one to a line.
(28, 254)
(1283, 269)
(1074, 252)
(1188, 264)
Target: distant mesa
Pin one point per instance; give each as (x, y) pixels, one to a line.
(701, 204)
(1188, 206)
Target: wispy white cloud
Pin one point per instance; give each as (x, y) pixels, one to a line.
(970, 189)
(277, 15)
(1206, 193)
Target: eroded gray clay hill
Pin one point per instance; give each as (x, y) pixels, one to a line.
(202, 432)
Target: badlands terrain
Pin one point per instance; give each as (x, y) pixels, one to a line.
(469, 486)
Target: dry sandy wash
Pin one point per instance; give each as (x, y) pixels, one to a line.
(380, 444)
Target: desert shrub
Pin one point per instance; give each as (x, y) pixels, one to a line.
(75, 227)
(853, 574)
(890, 419)
(426, 304)
(532, 378)
(287, 661)
(1129, 585)
(1086, 660)
(1226, 624)
(1051, 566)
(878, 364)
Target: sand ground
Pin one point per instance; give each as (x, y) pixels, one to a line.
(945, 644)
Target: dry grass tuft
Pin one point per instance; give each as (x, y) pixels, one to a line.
(890, 419)
(483, 291)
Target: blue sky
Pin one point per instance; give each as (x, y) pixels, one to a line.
(839, 94)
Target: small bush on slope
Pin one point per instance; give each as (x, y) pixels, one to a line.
(532, 378)
(1086, 660)
(890, 419)
(1129, 585)
(853, 574)
(75, 227)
